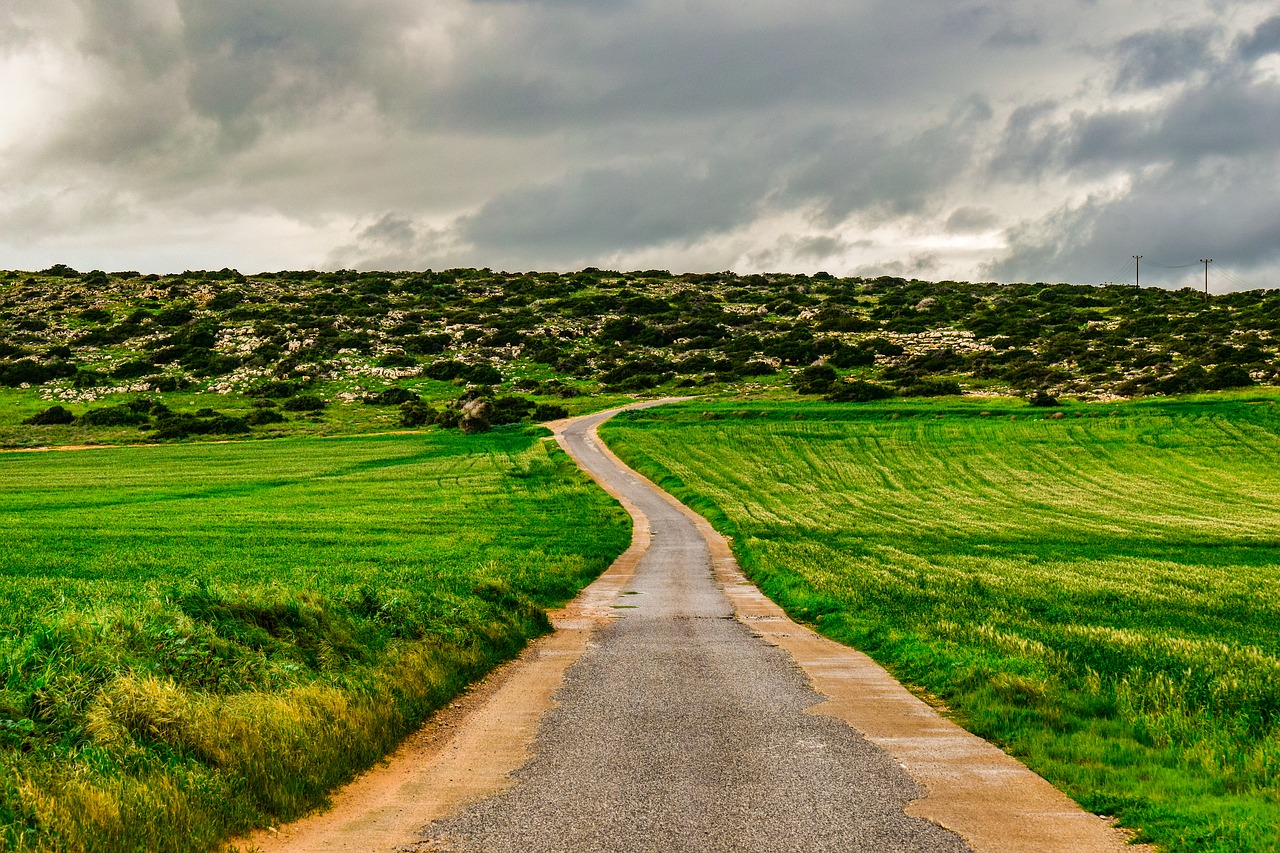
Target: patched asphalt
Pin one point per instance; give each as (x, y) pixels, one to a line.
(679, 730)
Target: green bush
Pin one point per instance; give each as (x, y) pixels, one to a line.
(132, 413)
(814, 379)
(304, 403)
(931, 388)
(549, 412)
(391, 397)
(857, 391)
(52, 416)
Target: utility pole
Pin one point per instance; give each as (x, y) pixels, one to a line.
(1137, 281)
(1206, 262)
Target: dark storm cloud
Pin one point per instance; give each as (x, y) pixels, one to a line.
(850, 171)
(616, 209)
(1172, 220)
(1199, 168)
(557, 132)
(1229, 116)
(1159, 57)
(1263, 41)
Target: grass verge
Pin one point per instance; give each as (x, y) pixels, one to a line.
(205, 638)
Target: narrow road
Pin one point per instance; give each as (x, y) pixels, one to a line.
(681, 729)
(676, 708)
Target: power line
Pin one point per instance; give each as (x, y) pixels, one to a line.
(1170, 266)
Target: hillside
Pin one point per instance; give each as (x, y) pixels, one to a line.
(281, 348)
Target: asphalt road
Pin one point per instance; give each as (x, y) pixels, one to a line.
(680, 730)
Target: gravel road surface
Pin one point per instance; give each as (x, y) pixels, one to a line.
(681, 730)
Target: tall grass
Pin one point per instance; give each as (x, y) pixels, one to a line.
(1099, 593)
(201, 639)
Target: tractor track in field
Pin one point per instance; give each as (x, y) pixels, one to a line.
(676, 708)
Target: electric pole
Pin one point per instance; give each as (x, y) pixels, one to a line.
(1206, 262)
(1137, 280)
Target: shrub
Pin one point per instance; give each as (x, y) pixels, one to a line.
(31, 372)
(509, 410)
(87, 379)
(125, 414)
(304, 403)
(397, 359)
(931, 388)
(549, 412)
(1044, 399)
(183, 424)
(415, 413)
(391, 397)
(95, 315)
(1228, 376)
(857, 391)
(814, 379)
(427, 344)
(274, 388)
(847, 356)
(133, 369)
(755, 368)
(54, 415)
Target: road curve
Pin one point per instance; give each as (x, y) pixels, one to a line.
(680, 729)
(676, 708)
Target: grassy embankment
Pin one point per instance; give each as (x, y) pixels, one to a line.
(203, 638)
(1099, 594)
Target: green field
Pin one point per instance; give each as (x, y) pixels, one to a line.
(1098, 590)
(203, 638)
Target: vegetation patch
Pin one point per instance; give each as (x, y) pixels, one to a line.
(1095, 588)
(203, 638)
(219, 339)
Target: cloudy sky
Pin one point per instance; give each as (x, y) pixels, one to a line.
(1017, 140)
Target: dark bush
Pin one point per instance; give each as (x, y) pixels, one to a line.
(814, 379)
(31, 372)
(133, 369)
(184, 424)
(857, 391)
(509, 410)
(848, 356)
(87, 379)
(304, 403)
(167, 384)
(263, 416)
(1043, 399)
(95, 315)
(414, 413)
(755, 368)
(931, 388)
(427, 344)
(397, 359)
(391, 397)
(1228, 376)
(125, 414)
(52, 416)
(549, 412)
(448, 370)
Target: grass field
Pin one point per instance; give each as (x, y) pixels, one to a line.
(203, 638)
(1097, 591)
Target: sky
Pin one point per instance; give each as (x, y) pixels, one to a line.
(984, 141)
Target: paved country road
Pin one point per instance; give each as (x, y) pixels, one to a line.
(680, 729)
(675, 708)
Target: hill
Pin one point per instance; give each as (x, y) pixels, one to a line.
(223, 353)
